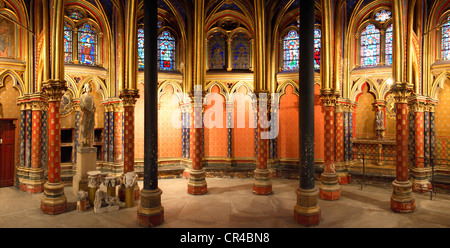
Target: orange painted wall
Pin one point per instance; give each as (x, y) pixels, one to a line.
(139, 125)
(442, 121)
(216, 138)
(319, 126)
(169, 137)
(288, 136)
(243, 139)
(365, 116)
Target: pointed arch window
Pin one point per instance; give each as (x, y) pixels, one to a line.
(370, 46)
(217, 51)
(291, 51)
(87, 44)
(375, 40)
(241, 50)
(317, 48)
(388, 49)
(445, 40)
(140, 39)
(68, 43)
(166, 51)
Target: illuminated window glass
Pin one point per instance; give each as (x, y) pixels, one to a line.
(67, 43)
(317, 48)
(87, 45)
(140, 48)
(370, 46)
(240, 52)
(388, 48)
(445, 40)
(216, 51)
(291, 51)
(166, 51)
(383, 15)
(74, 14)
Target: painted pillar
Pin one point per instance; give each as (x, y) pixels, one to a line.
(329, 189)
(117, 165)
(197, 184)
(21, 138)
(54, 201)
(420, 173)
(432, 109)
(379, 107)
(307, 211)
(150, 211)
(339, 139)
(129, 98)
(76, 106)
(402, 199)
(36, 174)
(262, 184)
(106, 134)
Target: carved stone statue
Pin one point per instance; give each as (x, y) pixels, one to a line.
(104, 203)
(87, 107)
(379, 118)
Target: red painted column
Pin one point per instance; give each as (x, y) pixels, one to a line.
(262, 184)
(420, 173)
(36, 174)
(129, 98)
(197, 184)
(329, 190)
(339, 139)
(402, 199)
(54, 200)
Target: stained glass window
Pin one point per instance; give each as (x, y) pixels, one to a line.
(291, 51)
(370, 46)
(317, 48)
(74, 14)
(216, 51)
(87, 44)
(140, 48)
(388, 49)
(445, 40)
(166, 51)
(241, 51)
(67, 43)
(383, 15)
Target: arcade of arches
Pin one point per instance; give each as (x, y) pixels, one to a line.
(381, 90)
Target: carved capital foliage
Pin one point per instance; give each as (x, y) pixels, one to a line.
(54, 89)
(129, 97)
(402, 91)
(328, 97)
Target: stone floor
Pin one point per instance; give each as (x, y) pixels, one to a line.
(230, 203)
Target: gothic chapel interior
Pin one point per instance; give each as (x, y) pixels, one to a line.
(377, 85)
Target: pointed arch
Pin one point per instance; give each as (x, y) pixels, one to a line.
(357, 88)
(99, 84)
(18, 83)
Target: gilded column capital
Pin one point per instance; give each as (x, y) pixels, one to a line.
(54, 89)
(417, 103)
(431, 105)
(328, 97)
(402, 91)
(76, 104)
(129, 97)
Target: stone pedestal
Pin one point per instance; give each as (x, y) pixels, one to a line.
(402, 199)
(54, 200)
(263, 183)
(307, 211)
(421, 181)
(150, 212)
(110, 184)
(86, 161)
(197, 183)
(93, 184)
(330, 189)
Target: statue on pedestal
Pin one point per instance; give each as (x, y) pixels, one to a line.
(87, 107)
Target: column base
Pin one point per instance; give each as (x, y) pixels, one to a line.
(121, 192)
(150, 212)
(343, 177)
(263, 183)
(197, 183)
(402, 199)
(54, 201)
(330, 189)
(306, 211)
(420, 182)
